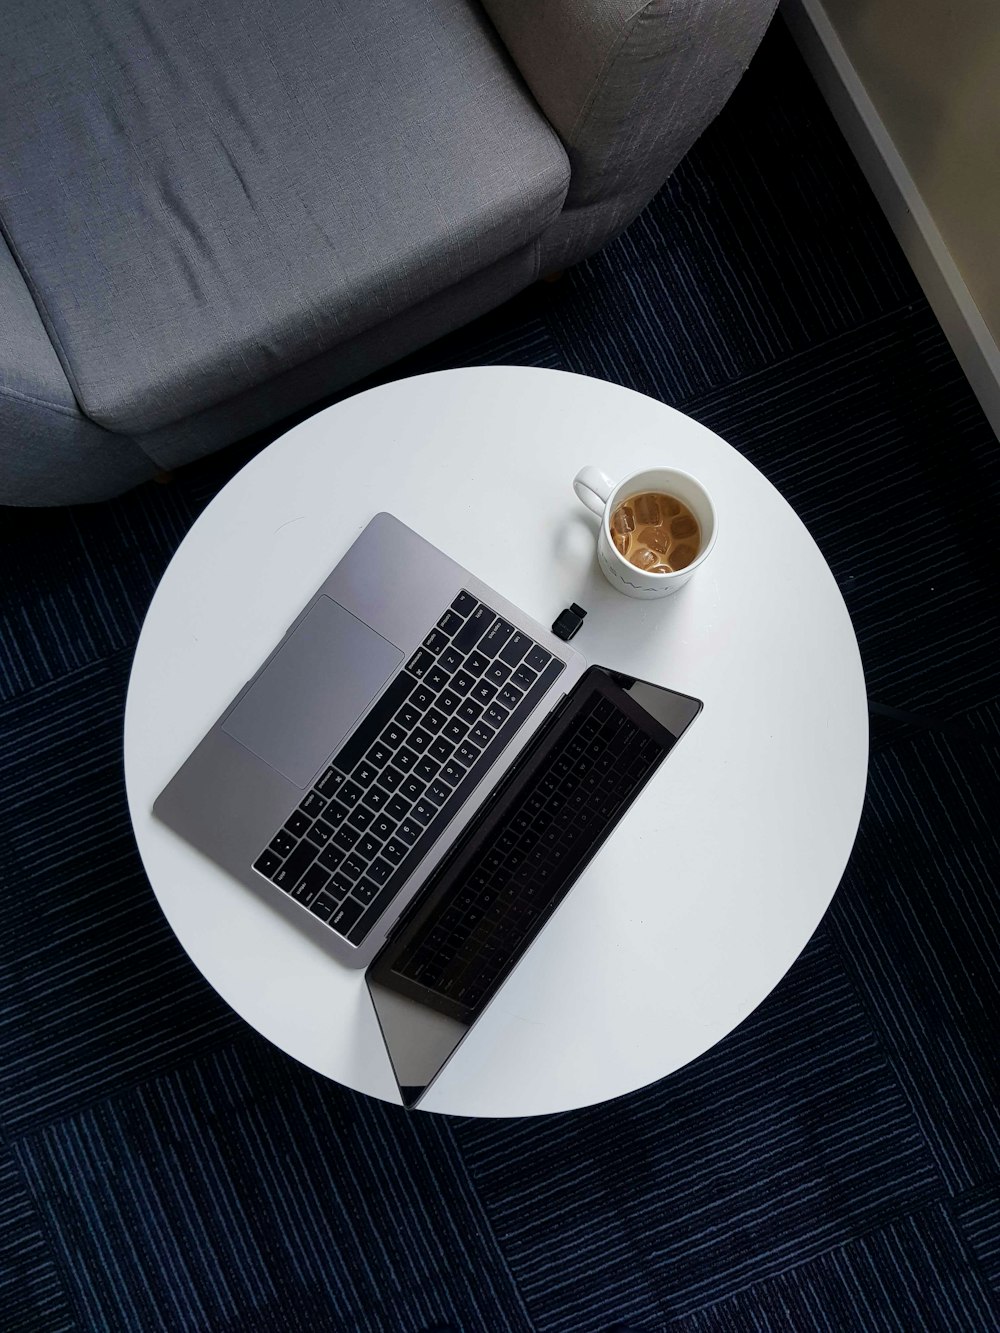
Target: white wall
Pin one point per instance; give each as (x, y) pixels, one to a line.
(915, 85)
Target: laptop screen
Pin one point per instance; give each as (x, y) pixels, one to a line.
(514, 863)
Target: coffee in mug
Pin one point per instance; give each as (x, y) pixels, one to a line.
(655, 532)
(684, 525)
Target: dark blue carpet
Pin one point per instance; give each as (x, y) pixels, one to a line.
(833, 1165)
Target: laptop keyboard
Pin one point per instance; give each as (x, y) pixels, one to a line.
(491, 898)
(425, 743)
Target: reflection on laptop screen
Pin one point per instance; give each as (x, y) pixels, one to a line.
(514, 865)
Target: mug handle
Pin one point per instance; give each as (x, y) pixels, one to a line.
(593, 487)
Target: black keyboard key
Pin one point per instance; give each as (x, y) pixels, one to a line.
(379, 755)
(462, 682)
(437, 678)
(313, 804)
(345, 915)
(450, 660)
(382, 827)
(495, 637)
(320, 833)
(484, 692)
(393, 736)
(524, 677)
(470, 711)
(420, 663)
(365, 892)
(353, 867)
(323, 906)
(467, 753)
(408, 716)
(346, 837)
(456, 730)
(481, 734)
(438, 792)
(510, 697)
(406, 758)
(335, 814)
(453, 772)
(379, 871)
(476, 663)
(300, 892)
(365, 773)
(351, 793)
(422, 697)
(360, 818)
(473, 629)
(267, 863)
(498, 673)
(495, 715)
(411, 789)
(435, 641)
(463, 603)
(397, 807)
(426, 768)
(394, 851)
(282, 843)
(330, 781)
(340, 885)
(433, 720)
(420, 739)
(390, 778)
(515, 648)
(408, 832)
(424, 811)
(448, 701)
(604, 710)
(295, 866)
(441, 750)
(296, 824)
(375, 798)
(538, 659)
(449, 623)
(331, 856)
(367, 847)
(312, 881)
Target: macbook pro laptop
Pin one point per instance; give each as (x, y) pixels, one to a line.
(425, 771)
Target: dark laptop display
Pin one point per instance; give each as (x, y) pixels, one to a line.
(503, 879)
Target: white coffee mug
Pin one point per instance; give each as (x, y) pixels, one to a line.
(602, 496)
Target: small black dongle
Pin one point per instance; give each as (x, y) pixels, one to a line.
(568, 622)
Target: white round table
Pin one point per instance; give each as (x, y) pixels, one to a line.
(717, 876)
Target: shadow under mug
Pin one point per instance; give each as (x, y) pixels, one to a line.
(602, 496)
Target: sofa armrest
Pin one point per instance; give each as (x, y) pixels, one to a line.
(49, 452)
(628, 86)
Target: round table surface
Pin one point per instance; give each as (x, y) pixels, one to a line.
(718, 875)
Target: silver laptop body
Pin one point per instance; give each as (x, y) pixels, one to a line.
(270, 794)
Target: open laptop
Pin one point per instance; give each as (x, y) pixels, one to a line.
(425, 770)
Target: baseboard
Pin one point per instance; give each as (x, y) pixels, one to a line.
(897, 193)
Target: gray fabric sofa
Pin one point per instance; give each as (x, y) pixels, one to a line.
(215, 214)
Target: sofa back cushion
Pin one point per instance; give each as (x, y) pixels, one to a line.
(201, 195)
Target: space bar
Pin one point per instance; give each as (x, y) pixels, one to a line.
(435, 828)
(380, 715)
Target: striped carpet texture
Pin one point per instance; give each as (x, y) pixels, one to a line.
(833, 1165)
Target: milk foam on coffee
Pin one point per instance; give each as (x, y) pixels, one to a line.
(655, 532)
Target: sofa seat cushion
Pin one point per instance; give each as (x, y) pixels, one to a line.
(202, 195)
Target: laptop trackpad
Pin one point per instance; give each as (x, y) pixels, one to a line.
(315, 688)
